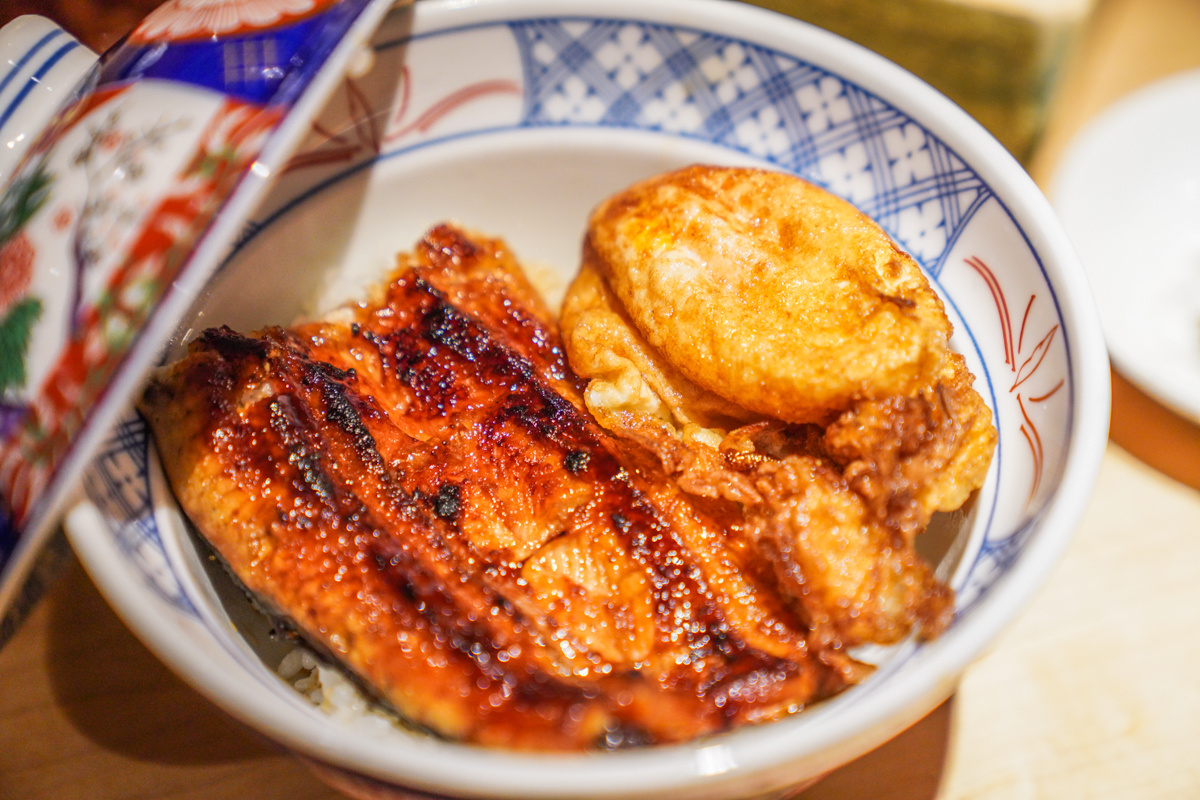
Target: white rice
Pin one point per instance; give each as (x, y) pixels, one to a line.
(329, 689)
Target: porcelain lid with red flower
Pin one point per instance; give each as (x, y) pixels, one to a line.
(114, 219)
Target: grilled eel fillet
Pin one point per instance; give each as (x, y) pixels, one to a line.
(413, 483)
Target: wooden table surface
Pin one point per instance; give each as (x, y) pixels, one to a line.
(1094, 692)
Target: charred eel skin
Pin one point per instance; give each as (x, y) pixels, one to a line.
(414, 484)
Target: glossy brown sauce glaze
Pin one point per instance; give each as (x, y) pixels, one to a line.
(415, 486)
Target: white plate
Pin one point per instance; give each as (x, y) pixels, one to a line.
(1128, 192)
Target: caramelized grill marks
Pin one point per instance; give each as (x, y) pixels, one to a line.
(512, 410)
(681, 598)
(344, 507)
(420, 491)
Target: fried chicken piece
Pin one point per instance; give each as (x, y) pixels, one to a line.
(415, 484)
(768, 291)
(853, 578)
(777, 351)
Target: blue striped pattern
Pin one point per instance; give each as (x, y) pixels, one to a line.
(30, 69)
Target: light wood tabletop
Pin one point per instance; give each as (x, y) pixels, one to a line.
(1094, 692)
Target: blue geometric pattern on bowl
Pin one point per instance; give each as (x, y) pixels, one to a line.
(757, 101)
(677, 82)
(119, 482)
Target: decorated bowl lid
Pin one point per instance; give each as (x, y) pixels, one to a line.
(126, 180)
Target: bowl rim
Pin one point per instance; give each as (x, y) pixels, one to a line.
(443, 767)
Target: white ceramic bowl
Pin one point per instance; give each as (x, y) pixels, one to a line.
(514, 117)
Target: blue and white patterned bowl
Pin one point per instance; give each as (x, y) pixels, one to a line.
(514, 117)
